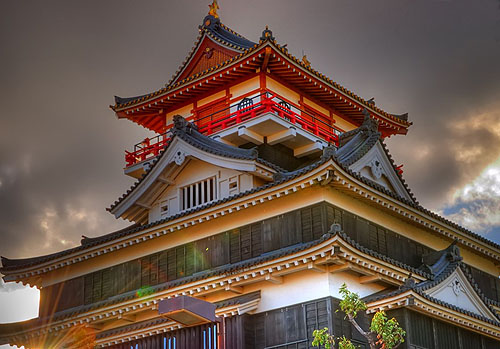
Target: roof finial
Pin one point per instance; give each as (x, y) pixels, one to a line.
(267, 34)
(213, 9)
(305, 60)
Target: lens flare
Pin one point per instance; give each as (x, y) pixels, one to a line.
(144, 291)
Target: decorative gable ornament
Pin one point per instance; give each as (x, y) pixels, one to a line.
(179, 157)
(376, 168)
(456, 286)
(459, 292)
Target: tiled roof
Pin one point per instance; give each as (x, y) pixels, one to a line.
(230, 268)
(173, 85)
(12, 264)
(217, 32)
(280, 177)
(416, 205)
(10, 328)
(213, 27)
(356, 143)
(384, 257)
(189, 133)
(247, 49)
(148, 323)
(452, 260)
(398, 118)
(195, 277)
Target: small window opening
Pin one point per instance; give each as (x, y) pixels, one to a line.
(245, 103)
(198, 193)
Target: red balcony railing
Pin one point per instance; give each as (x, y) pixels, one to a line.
(147, 149)
(267, 102)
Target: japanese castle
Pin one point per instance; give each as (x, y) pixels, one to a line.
(267, 186)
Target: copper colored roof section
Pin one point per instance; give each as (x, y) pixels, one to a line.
(222, 36)
(188, 311)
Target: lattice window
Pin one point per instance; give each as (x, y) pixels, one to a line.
(198, 193)
(285, 106)
(245, 103)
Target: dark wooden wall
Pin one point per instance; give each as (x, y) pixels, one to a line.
(292, 327)
(234, 246)
(423, 332)
(278, 154)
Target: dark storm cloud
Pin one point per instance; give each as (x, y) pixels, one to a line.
(61, 149)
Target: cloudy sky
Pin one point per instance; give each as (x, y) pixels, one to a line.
(61, 147)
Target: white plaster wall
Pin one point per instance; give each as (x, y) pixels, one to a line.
(296, 288)
(244, 87)
(352, 282)
(282, 90)
(461, 300)
(307, 286)
(195, 171)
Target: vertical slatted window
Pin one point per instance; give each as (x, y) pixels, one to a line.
(256, 239)
(289, 327)
(171, 265)
(198, 193)
(180, 262)
(470, 339)
(88, 285)
(190, 259)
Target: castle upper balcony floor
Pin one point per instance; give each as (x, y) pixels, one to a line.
(263, 118)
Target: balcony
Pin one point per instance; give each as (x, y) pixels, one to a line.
(266, 117)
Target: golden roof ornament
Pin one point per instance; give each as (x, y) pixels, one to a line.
(267, 35)
(306, 61)
(213, 9)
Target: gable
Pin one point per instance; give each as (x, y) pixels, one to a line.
(376, 166)
(208, 54)
(197, 182)
(188, 145)
(458, 291)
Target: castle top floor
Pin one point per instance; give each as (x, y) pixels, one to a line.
(242, 92)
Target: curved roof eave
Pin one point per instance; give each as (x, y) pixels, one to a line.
(13, 264)
(174, 85)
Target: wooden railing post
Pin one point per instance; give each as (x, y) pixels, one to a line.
(153, 146)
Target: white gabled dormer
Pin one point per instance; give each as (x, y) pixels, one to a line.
(197, 184)
(362, 152)
(192, 171)
(457, 290)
